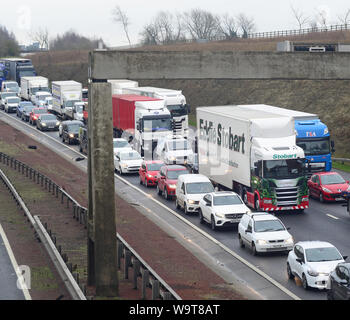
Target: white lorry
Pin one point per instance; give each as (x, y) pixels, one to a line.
(175, 102)
(65, 94)
(31, 85)
(119, 84)
(255, 154)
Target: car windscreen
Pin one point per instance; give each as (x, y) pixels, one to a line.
(25, 104)
(268, 226)
(48, 117)
(332, 179)
(199, 187)
(130, 156)
(8, 94)
(174, 174)
(79, 109)
(227, 200)
(43, 97)
(120, 144)
(154, 166)
(74, 127)
(28, 108)
(12, 85)
(322, 254)
(40, 111)
(13, 100)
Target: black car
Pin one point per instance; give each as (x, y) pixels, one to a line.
(83, 140)
(339, 280)
(70, 130)
(26, 112)
(21, 106)
(47, 122)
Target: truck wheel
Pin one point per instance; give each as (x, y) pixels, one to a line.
(257, 204)
(245, 197)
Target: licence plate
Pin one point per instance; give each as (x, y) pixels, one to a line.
(277, 246)
(233, 221)
(288, 208)
(339, 199)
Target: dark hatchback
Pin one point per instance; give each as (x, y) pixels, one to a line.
(339, 282)
(26, 112)
(47, 122)
(70, 131)
(21, 106)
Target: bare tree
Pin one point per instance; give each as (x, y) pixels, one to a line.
(300, 17)
(313, 24)
(322, 17)
(247, 25)
(201, 24)
(228, 27)
(345, 18)
(120, 17)
(41, 35)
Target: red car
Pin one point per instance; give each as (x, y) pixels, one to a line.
(149, 171)
(34, 115)
(167, 179)
(327, 186)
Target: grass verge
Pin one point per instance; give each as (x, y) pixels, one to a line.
(341, 166)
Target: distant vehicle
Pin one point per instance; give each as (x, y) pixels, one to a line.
(11, 104)
(338, 287)
(39, 98)
(70, 130)
(127, 161)
(120, 144)
(221, 209)
(312, 262)
(76, 112)
(3, 96)
(173, 150)
(26, 111)
(3, 73)
(149, 171)
(31, 85)
(48, 103)
(20, 107)
(167, 179)
(35, 114)
(263, 232)
(10, 86)
(190, 189)
(47, 122)
(328, 186)
(192, 163)
(317, 49)
(85, 95)
(83, 140)
(16, 68)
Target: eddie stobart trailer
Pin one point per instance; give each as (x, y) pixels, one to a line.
(255, 154)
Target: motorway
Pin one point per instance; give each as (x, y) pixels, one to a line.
(326, 222)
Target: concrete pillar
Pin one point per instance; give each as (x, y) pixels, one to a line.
(101, 187)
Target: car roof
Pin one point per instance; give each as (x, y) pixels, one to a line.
(194, 178)
(175, 167)
(119, 139)
(327, 173)
(153, 161)
(314, 244)
(70, 121)
(222, 193)
(263, 217)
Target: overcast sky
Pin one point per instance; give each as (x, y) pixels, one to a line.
(94, 18)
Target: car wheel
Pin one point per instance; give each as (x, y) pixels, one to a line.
(141, 180)
(289, 272)
(212, 224)
(177, 204)
(166, 196)
(120, 170)
(80, 148)
(201, 219)
(241, 243)
(146, 183)
(330, 295)
(158, 190)
(254, 249)
(185, 208)
(321, 197)
(304, 281)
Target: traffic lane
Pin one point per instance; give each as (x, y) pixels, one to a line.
(8, 277)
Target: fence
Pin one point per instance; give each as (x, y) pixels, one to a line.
(140, 269)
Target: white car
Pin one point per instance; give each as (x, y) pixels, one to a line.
(120, 144)
(222, 208)
(4, 95)
(174, 150)
(48, 103)
(263, 232)
(190, 189)
(127, 161)
(312, 262)
(39, 98)
(11, 104)
(11, 86)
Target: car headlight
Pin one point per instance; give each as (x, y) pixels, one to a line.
(149, 175)
(172, 158)
(289, 240)
(71, 135)
(43, 124)
(191, 201)
(124, 165)
(326, 190)
(172, 186)
(312, 272)
(57, 123)
(268, 201)
(261, 242)
(219, 215)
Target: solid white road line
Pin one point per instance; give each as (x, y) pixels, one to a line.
(329, 215)
(14, 264)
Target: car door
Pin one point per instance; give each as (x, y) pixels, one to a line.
(161, 180)
(312, 185)
(317, 186)
(181, 195)
(143, 172)
(247, 233)
(342, 285)
(299, 266)
(208, 207)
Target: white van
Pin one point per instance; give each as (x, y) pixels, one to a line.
(190, 189)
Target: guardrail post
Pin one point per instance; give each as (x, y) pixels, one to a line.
(145, 281)
(30, 173)
(49, 185)
(155, 289)
(167, 296)
(38, 178)
(15, 164)
(57, 188)
(74, 210)
(136, 268)
(119, 253)
(67, 202)
(27, 171)
(127, 260)
(62, 195)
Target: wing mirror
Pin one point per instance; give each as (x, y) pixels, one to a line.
(248, 231)
(299, 260)
(345, 257)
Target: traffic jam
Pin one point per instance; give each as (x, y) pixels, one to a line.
(241, 169)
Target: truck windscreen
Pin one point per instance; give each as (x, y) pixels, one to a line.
(27, 73)
(38, 89)
(313, 147)
(153, 124)
(2, 74)
(283, 169)
(177, 110)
